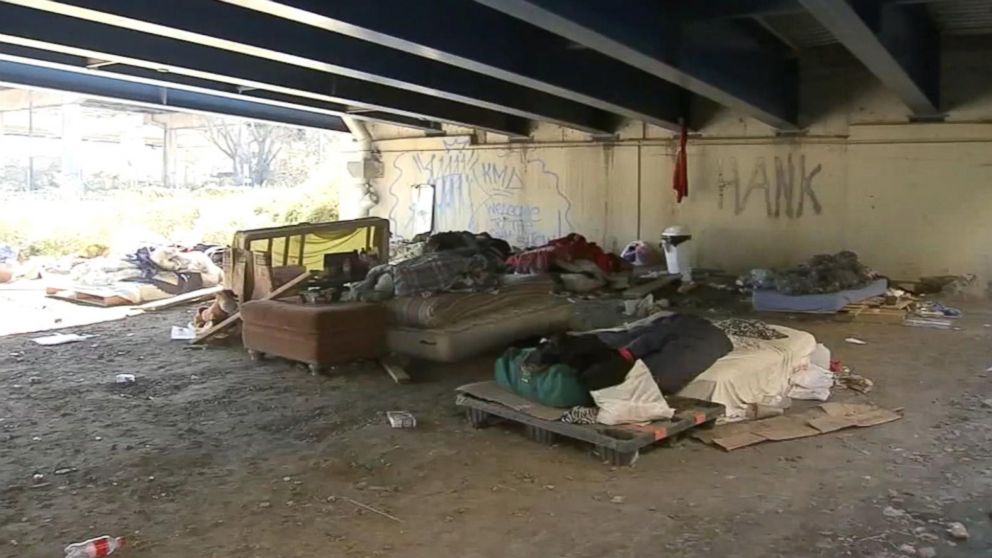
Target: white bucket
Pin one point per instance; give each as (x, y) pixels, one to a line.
(674, 241)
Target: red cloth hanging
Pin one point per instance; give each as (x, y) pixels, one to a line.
(680, 178)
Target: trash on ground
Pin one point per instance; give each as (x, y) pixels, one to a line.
(60, 339)
(125, 379)
(935, 323)
(957, 530)
(889, 511)
(371, 509)
(945, 284)
(855, 341)
(95, 548)
(813, 382)
(401, 419)
(183, 333)
(856, 382)
(932, 309)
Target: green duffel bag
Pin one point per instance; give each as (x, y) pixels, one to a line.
(555, 386)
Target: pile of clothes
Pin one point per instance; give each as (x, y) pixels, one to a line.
(416, 266)
(562, 254)
(623, 372)
(449, 262)
(146, 274)
(824, 273)
(176, 270)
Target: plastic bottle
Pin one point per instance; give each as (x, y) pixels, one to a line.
(95, 548)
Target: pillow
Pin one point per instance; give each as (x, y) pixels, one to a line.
(637, 399)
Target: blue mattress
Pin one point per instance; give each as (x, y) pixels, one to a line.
(827, 303)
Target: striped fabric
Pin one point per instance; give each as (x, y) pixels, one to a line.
(448, 308)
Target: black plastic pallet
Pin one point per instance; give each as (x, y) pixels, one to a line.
(617, 445)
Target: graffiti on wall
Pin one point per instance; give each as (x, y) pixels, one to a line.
(790, 194)
(483, 190)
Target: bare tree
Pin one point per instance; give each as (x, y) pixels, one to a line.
(251, 146)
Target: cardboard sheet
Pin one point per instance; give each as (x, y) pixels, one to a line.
(491, 391)
(830, 424)
(736, 441)
(829, 417)
(783, 428)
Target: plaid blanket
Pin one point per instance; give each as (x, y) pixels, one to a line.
(443, 271)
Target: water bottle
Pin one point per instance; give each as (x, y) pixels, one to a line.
(94, 548)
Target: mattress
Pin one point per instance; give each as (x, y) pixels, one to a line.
(449, 308)
(749, 374)
(476, 335)
(827, 303)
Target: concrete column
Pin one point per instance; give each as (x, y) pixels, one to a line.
(168, 155)
(30, 140)
(71, 179)
(358, 198)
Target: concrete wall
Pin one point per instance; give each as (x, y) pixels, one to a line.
(911, 199)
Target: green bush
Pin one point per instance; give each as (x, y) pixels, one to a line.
(54, 226)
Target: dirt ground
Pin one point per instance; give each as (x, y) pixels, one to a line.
(210, 454)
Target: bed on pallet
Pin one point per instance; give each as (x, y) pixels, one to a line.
(748, 374)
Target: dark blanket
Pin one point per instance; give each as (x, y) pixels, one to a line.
(468, 244)
(596, 364)
(676, 348)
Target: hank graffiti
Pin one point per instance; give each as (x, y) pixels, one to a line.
(793, 186)
(474, 190)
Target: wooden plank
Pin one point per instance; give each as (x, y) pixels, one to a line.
(90, 299)
(261, 276)
(236, 317)
(194, 296)
(395, 366)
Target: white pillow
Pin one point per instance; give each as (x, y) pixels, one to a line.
(637, 399)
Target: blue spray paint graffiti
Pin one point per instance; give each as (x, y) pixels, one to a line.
(479, 192)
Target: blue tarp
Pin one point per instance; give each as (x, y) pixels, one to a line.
(828, 303)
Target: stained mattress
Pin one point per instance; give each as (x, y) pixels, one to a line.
(451, 308)
(475, 335)
(747, 374)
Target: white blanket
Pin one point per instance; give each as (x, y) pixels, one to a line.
(749, 374)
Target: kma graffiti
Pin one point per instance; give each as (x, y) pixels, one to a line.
(484, 190)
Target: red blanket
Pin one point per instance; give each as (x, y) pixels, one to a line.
(566, 249)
